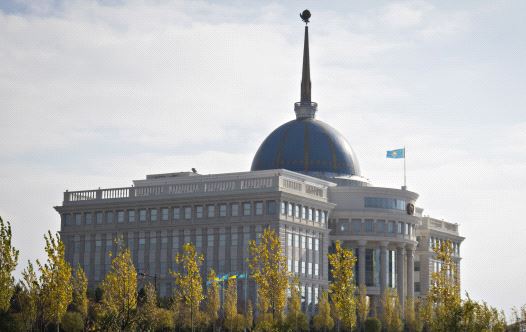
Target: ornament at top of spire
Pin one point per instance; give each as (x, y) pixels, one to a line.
(305, 16)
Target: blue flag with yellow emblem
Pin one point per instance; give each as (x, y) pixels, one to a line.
(398, 153)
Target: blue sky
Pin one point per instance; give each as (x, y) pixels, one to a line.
(95, 94)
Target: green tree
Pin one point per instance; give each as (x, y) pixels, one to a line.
(80, 301)
(249, 316)
(445, 292)
(342, 288)
(323, 320)
(268, 266)
(296, 320)
(213, 302)
(372, 324)
(29, 297)
(8, 262)
(119, 293)
(362, 306)
(55, 281)
(233, 320)
(189, 291)
(391, 318)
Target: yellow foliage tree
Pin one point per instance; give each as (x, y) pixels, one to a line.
(249, 316)
(268, 266)
(29, 297)
(410, 317)
(391, 318)
(213, 303)
(296, 319)
(342, 287)
(55, 281)
(189, 291)
(362, 306)
(233, 320)
(119, 292)
(8, 262)
(79, 282)
(323, 320)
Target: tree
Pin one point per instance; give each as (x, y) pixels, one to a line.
(189, 292)
(372, 324)
(80, 301)
(268, 266)
(323, 320)
(445, 291)
(362, 306)
(391, 318)
(249, 316)
(148, 313)
(410, 315)
(342, 287)
(55, 276)
(213, 303)
(296, 320)
(233, 320)
(8, 262)
(119, 292)
(481, 317)
(29, 297)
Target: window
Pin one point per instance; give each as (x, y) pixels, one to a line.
(78, 218)
(317, 215)
(380, 226)
(271, 208)
(323, 216)
(316, 295)
(384, 203)
(303, 242)
(131, 215)
(187, 212)
(67, 219)
(222, 240)
(211, 210)
(417, 266)
(309, 243)
(222, 210)
(142, 215)
(302, 267)
(391, 226)
(289, 265)
(99, 217)
(296, 266)
(259, 208)
(417, 286)
(289, 239)
(368, 225)
(87, 218)
(247, 209)
(309, 268)
(296, 211)
(289, 210)
(210, 240)
(198, 241)
(142, 243)
(109, 217)
(283, 207)
(153, 214)
(407, 229)
(316, 244)
(199, 211)
(177, 213)
(164, 214)
(310, 214)
(120, 217)
(303, 212)
(316, 269)
(400, 227)
(234, 210)
(356, 225)
(234, 238)
(296, 240)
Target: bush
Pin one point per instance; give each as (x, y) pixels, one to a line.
(372, 324)
(72, 322)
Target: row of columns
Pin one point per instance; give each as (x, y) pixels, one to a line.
(404, 289)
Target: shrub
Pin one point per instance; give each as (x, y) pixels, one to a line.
(72, 322)
(372, 324)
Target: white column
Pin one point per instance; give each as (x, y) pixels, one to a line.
(384, 266)
(410, 269)
(400, 275)
(361, 262)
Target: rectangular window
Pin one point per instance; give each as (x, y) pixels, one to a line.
(87, 218)
(131, 215)
(177, 213)
(234, 238)
(259, 208)
(153, 214)
(296, 266)
(164, 214)
(99, 218)
(142, 243)
(302, 267)
(380, 226)
(310, 214)
(417, 266)
(289, 239)
(289, 265)
(356, 225)
(271, 208)
(316, 295)
(210, 240)
(120, 217)
(303, 212)
(78, 219)
(198, 241)
(303, 242)
(283, 208)
(369, 225)
(222, 210)
(316, 269)
(199, 211)
(296, 211)
(67, 219)
(234, 210)
(296, 240)
(109, 217)
(210, 211)
(187, 212)
(142, 215)
(316, 244)
(407, 229)
(247, 209)
(317, 215)
(309, 243)
(400, 227)
(289, 210)
(323, 216)
(309, 268)
(222, 239)
(391, 226)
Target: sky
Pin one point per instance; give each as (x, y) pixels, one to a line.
(99, 93)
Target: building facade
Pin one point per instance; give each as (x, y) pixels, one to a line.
(305, 183)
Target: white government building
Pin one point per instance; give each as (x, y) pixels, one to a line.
(305, 182)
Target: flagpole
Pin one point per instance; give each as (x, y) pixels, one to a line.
(405, 179)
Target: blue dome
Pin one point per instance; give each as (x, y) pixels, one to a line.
(307, 146)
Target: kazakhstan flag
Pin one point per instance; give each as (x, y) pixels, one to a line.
(398, 153)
